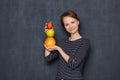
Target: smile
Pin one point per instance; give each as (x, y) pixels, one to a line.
(71, 29)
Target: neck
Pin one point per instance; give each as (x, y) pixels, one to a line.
(75, 36)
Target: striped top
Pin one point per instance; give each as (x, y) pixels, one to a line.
(77, 50)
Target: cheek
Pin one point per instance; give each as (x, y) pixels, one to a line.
(67, 29)
(77, 25)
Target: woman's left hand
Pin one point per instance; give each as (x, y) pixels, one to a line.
(52, 48)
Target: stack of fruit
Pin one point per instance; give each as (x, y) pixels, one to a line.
(50, 40)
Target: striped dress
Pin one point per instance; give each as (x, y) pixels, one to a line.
(77, 50)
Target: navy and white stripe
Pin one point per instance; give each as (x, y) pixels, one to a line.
(77, 50)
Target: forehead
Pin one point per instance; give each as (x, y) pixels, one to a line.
(68, 19)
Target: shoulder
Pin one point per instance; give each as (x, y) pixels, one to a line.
(85, 41)
(63, 39)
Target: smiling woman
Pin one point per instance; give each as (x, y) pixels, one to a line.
(71, 24)
(71, 52)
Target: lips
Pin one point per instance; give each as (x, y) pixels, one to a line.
(71, 29)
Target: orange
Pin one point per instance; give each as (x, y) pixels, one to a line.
(50, 41)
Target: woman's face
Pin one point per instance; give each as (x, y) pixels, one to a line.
(71, 24)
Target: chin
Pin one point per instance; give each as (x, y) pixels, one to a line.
(73, 32)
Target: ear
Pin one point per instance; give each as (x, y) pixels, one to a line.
(78, 22)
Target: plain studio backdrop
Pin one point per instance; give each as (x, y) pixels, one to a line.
(22, 37)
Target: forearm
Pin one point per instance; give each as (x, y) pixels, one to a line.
(63, 54)
(52, 56)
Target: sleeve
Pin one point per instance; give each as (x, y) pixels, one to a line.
(54, 55)
(75, 60)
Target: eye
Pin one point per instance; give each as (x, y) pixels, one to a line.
(66, 25)
(73, 22)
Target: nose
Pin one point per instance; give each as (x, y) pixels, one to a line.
(70, 25)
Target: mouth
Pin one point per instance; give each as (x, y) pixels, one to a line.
(71, 29)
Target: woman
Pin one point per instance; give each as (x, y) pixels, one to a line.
(72, 52)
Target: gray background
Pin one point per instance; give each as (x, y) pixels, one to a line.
(22, 36)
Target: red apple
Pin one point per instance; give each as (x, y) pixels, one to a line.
(49, 25)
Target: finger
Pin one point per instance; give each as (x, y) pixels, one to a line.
(45, 46)
(45, 30)
(48, 48)
(46, 25)
(53, 47)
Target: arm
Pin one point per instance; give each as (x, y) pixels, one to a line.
(81, 53)
(53, 55)
(59, 49)
(75, 60)
(63, 54)
(50, 55)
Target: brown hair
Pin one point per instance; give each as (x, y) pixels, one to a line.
(69, 13)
